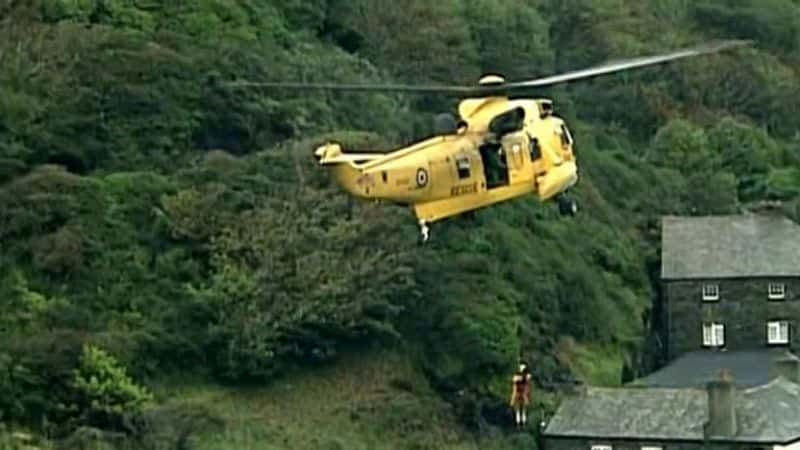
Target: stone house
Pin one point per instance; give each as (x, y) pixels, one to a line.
(717, 415)
(730, 301)
(729, 283)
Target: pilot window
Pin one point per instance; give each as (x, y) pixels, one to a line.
(535, 150)
(462, 163)
(566, 138)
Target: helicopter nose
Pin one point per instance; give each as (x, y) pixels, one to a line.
(558, 180)
(575, 178)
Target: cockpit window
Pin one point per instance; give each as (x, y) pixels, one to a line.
(566, 138)
(535, 150)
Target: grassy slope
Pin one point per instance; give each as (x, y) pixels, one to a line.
(369, 401)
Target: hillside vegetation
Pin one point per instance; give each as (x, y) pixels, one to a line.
(171, 259)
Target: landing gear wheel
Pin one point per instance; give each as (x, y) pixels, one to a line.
(567, 205)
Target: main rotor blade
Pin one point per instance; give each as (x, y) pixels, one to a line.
(361, 87)
(616, 66)
(503, 88)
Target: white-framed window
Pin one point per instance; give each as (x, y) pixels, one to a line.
(713, 334)
(710, 292)
(778, 332)
(601, 447)
(776, 291)
(462, 164)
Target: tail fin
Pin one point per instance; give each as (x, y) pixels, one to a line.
(345, 167)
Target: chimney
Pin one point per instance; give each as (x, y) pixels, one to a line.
(721, 407)
(788, 367)
(578, 388)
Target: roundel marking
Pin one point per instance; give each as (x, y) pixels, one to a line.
(422, 177)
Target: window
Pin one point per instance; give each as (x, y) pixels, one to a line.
(778, 332)
(566, 138)
(710, 292)
(776, 291)
(601, 447)
(535, 149)
(462, 164)
(713, 334)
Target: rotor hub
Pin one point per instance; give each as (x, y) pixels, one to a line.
(491, 79)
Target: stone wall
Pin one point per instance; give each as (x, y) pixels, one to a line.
(743, 307)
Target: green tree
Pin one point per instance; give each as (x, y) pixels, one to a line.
(512, 38)
(747, 152)
(104, 393)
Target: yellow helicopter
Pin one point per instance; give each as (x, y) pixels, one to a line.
(498, 149)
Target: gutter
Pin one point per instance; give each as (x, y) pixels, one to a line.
(742, 440)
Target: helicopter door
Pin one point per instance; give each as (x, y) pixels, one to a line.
(495, 165)
(515, 147)
(517, 151)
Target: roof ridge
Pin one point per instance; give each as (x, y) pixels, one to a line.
(776, 381)
(642, 388)
(764, 386)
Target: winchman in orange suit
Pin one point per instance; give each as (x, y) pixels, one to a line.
(520, 394)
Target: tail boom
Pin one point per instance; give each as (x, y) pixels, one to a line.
(347, 168)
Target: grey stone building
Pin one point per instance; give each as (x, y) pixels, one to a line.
(729, 283)
(730, 300)
(717, 415)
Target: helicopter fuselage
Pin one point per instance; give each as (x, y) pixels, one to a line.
(502, 149)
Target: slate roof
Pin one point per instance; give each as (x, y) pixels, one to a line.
(729, 246)
(652, 413)
(768, 414)
(748, 368)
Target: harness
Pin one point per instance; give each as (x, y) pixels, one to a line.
(521, 382)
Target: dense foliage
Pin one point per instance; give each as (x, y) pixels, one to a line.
(154, 219)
